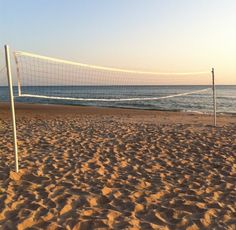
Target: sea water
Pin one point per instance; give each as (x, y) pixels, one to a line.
(198, 102)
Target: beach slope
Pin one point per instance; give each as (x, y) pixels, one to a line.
(88, 168)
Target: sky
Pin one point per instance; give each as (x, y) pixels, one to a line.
(152, 35)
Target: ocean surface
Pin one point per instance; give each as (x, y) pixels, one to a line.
(198, 102)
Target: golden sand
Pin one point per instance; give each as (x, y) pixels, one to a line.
(88, 168)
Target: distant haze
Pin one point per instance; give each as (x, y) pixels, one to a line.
(153, 35)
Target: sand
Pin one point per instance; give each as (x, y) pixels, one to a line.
(97, 168)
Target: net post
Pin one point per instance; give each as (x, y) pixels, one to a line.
(9, 76)
(18, 75)
(214, 95)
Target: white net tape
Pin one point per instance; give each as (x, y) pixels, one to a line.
(119, 99)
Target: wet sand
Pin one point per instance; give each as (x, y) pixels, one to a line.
(99, 168)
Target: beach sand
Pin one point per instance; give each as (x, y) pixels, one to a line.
(99, 168)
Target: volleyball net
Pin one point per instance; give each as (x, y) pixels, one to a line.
(56, 79)
(51, 78)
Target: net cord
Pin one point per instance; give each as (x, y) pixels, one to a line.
(21, 53)
(115, 100)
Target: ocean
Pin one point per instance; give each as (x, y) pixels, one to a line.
(198, 102)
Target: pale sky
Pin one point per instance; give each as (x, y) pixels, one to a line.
(153, 35)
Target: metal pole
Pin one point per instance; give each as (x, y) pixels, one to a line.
(8, 65)
(214, 95)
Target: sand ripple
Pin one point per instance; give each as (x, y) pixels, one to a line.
(105, 173)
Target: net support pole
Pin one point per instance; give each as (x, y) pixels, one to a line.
(214, 95)
(9, 76)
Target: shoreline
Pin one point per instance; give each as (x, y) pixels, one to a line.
(48, 111)
(4, 103)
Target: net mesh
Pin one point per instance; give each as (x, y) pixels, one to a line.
(50, 78)
(3, 78)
